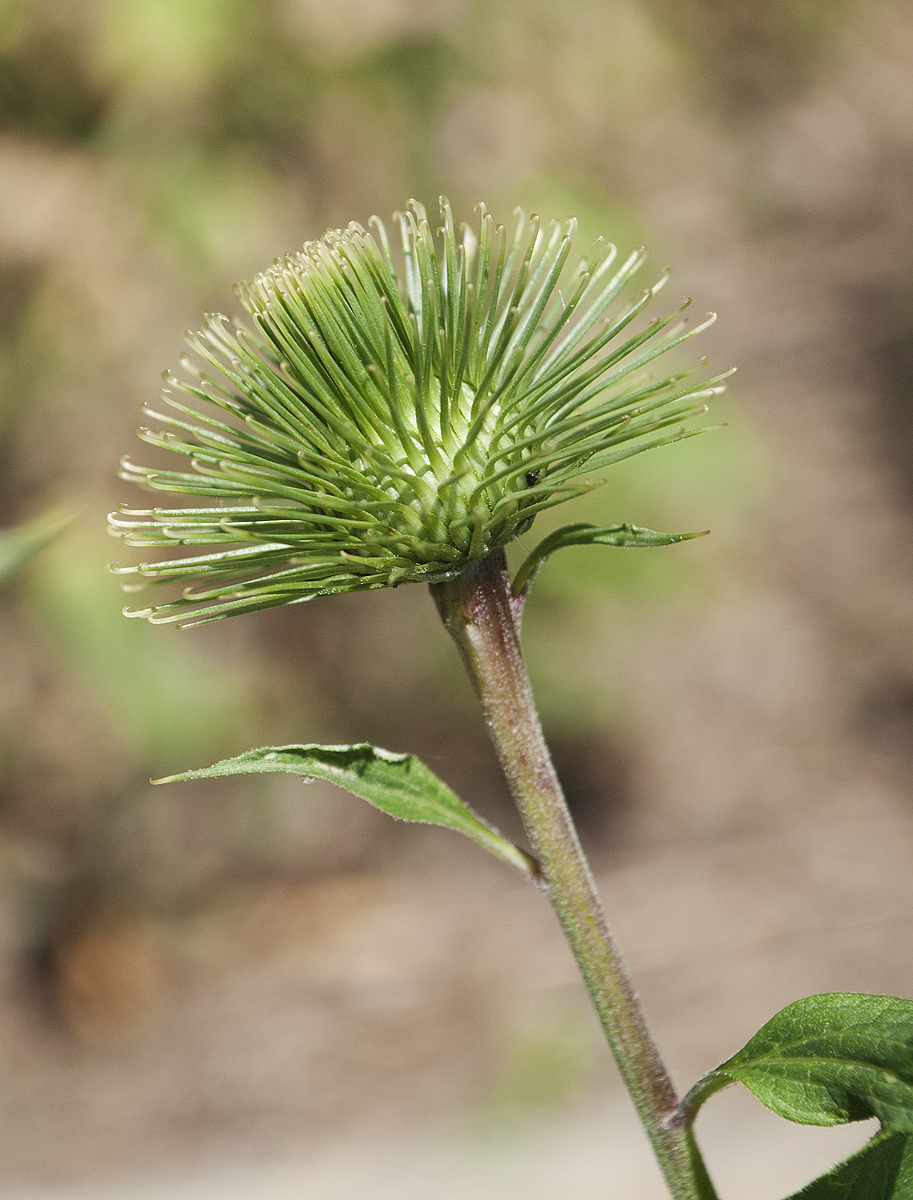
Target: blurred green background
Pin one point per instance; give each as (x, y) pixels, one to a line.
(712, 703)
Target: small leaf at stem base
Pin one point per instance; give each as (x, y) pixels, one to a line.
(827, 1060)
(881, 1170)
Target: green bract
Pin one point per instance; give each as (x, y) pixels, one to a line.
(392, 421)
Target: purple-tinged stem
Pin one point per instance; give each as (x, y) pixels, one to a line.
(482, 617)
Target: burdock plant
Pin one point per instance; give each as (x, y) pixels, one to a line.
(399, 415)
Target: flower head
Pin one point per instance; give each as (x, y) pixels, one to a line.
(389, 422)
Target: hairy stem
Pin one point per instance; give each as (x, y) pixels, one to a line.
(480, 614)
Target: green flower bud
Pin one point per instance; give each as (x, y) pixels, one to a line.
(389, 422)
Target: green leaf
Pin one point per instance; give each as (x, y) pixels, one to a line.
(629, 536)
(828, 1060)
(881, 1170)
(398, 784)
(19, 545)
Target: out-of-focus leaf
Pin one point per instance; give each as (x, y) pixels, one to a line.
(629, 536)
(881, 1170)
(398, 784)
(828, 1060)
(19, 546)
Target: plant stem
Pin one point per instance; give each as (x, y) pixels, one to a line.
(482, 617)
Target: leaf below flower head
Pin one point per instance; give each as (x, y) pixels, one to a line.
(398, 784)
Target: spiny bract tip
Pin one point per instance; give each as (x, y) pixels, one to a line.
(382, 421)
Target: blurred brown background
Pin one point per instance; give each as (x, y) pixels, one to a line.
(257, 988)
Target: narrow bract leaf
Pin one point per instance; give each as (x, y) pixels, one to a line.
(828, 1060)
(629, 536)
(881, 1170)
(398, 784)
